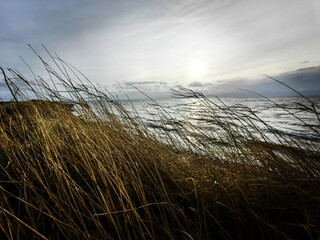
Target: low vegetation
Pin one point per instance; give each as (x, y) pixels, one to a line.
(74, 164)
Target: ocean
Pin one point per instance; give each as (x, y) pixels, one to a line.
(196, 120)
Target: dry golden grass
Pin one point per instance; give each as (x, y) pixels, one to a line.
(101, 175)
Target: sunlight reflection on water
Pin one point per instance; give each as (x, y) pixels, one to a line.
(284, 116)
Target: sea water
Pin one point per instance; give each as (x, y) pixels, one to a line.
(288, 120)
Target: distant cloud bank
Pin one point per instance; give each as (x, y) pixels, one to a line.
(304, 80)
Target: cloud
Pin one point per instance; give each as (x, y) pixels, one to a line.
(201, 86)
(147, 86)
(305, 80)
(140, 40)
(195, 84)
(137, 89)
(4, 40)
(146, 83)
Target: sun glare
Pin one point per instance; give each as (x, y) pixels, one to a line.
(197, 69)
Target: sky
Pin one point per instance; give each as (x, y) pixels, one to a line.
(212, 46)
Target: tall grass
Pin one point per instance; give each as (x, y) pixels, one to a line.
(98, 173)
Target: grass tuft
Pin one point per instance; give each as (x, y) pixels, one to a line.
(74, 164)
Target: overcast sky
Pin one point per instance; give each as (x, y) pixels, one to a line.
(156, 44)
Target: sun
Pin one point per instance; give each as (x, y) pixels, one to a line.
(197, 69)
